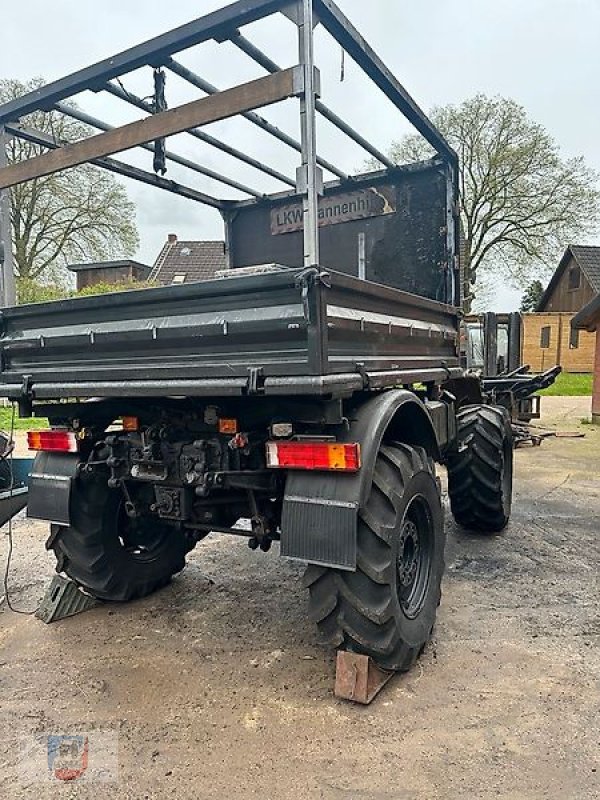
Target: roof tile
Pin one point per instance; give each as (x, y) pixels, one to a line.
(195, 261)
(588, 258)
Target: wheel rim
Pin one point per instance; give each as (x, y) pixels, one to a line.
(415, 552)
(141, 538)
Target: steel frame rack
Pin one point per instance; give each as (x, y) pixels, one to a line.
(301, 81)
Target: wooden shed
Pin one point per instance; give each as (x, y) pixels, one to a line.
(588, 319)
(576, 281)
(95, 272)
(548, 337)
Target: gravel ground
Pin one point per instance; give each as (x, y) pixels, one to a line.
(219, 687)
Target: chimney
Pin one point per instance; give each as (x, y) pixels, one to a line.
(172, 238)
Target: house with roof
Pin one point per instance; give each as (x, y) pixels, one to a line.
(188, 261)
(588, 319)
(548, 337)
(92, 273)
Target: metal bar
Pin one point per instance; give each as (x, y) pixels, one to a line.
(256, 119)
(75, 113)
(452, 286)
(270, 66)
(490, 344)
(9, 292)
(353, 43)
(362, 256)
(121, 168)
(255, 94)
(337, 385)
(309, 177)
(133, 100)
(379, 178)
(514, 340)
(152, 52)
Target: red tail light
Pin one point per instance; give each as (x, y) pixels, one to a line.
(329, 456)
(54, 441)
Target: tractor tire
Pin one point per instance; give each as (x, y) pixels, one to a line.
(387, 607)
(480, 471)
(110, 555)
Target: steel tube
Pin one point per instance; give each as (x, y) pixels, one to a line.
(309, 174)
(121, 168)
(261, 58)
(9, 291)
(133, 100)
(94, 122)
(153, 52)
(251, 116)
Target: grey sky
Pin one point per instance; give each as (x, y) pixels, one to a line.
(543, 53)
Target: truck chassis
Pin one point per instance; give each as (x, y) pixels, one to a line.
(312, 403)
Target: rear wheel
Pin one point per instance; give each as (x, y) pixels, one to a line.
(480, 472)
(386, 609)
(111, 555)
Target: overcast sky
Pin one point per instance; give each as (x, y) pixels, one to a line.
(543, 53)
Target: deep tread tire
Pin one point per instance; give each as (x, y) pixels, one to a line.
(91, 553)
(362, 610)
(480, 471)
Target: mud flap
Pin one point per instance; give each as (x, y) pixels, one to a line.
(50, 486)
(319, 530)
(319, 520)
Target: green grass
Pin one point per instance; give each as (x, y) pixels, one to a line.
(569, 384)
(25, 424)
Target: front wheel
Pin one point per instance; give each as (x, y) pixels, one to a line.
(387, 607)
(110, 554)
(480, 471)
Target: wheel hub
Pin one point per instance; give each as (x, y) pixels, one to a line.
(414, 555)
(408, 554)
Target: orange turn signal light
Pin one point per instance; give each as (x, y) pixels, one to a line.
(130, 423)
(228, 425)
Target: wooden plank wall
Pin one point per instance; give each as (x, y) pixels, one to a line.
(596, 389)
(570, 300)
(579, 359)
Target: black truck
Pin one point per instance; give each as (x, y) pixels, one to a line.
(313, 398)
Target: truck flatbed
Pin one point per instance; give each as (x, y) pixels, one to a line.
(292, 331)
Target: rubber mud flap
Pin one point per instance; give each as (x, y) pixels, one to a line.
(319, 531)
(50, 486)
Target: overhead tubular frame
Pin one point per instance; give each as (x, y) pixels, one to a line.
(223, 25)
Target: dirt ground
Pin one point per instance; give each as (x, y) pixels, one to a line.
(219, 687)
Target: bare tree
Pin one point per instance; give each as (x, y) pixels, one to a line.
(521, 202)
(80, 214)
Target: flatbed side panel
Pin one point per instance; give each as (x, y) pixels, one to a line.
(214, 329)
(383, 329)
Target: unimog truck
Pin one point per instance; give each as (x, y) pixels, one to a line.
(312, 389)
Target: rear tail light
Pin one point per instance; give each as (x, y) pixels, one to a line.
(54, 441)
(329, 456)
